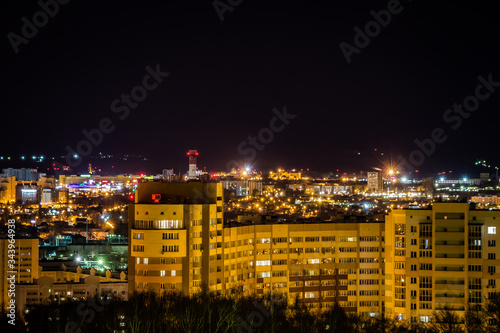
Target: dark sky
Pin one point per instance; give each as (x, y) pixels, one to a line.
(226, 78)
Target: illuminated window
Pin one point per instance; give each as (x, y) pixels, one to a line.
(145, 261)
(162, 273)
(492, 230)
(173, 273)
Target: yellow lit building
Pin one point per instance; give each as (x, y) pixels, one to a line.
(8, 190)
(282, 174)
(25, 264)
(446, 256)
(178, 242)
(175, 237)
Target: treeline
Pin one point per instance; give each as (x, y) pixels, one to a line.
(208, 312)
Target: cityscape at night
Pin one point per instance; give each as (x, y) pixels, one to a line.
(234, 166)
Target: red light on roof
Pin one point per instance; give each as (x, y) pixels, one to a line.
(131, 197)
(142, 175)
(195, 153)
(188, 154)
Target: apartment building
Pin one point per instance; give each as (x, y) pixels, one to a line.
(315, 263)
(175, 237)
(178, 242)
(23, 261)
(444, 256)
(375, 182)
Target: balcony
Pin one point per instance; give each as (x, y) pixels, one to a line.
(450, 255)
(457, 282)
(450, 295)
(450, 268)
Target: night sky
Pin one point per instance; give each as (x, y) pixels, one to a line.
(226, 77)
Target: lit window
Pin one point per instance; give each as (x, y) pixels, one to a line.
(492, 230)
(172, 273)
(145, 261)
(138, 260)
(162, 273)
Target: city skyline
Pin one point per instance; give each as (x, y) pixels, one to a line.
(229, 69)
(236, 166)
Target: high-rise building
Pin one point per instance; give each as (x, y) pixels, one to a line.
(444, 257)
(21, 262)
(22, 174)
(175, 237)
(178, 242)
(375, 182)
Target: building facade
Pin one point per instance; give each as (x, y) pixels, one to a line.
(375, 182)
(444, 257)
(25, 264)
(178, 242)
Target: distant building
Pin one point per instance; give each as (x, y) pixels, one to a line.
(375, 182)
(486, 200)
(27, 192)
(48, 196)
(484, 176)
(168, 174)
(22, 174)
(7, 189)
(78, 287)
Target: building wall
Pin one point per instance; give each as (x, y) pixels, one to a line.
(318, 263)
(446, 256)
(375, 182)
(25, 264)
(7, 190)
(77, 290)
(181, 248)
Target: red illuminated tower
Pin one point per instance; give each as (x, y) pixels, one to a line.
(193, 154)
